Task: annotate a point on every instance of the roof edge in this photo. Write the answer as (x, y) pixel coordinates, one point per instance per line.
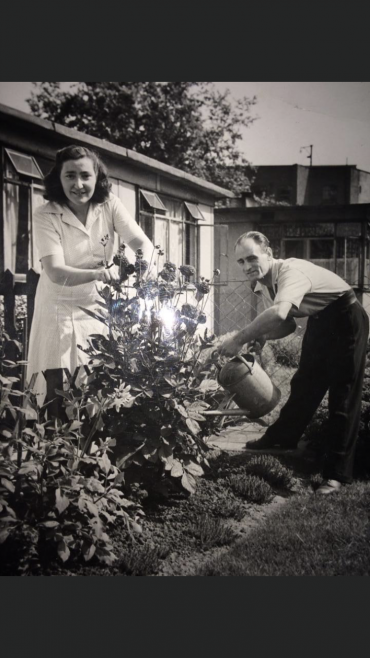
(114, 149)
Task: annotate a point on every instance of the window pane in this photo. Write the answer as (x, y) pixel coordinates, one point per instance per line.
(191, 245)
(146, 224)
(16, 228)
(174, 206)
(294, 248)
(321, 249)
(161, 235)
(348, 259)
(176, 242)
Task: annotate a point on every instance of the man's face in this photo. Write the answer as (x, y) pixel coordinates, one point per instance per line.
(254, 262)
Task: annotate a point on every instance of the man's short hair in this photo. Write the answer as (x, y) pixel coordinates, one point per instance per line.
(258, 238)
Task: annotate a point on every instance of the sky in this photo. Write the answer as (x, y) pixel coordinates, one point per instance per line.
(332, 116)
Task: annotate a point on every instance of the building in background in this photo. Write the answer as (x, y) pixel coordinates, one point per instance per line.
(175, 209)
(319, 213)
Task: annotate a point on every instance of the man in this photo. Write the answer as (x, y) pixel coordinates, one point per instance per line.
(333, 350)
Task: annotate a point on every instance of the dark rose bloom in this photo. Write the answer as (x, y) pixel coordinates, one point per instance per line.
(170, 266)
(189, 311)
(141, 266)
(168, 275)
(202, 288)
(187, 270)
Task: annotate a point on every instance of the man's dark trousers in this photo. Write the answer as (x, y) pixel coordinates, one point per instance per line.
(333, 358)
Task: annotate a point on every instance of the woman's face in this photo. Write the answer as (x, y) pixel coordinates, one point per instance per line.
(78, 179)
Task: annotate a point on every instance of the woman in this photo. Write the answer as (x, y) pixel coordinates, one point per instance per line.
(74, 235)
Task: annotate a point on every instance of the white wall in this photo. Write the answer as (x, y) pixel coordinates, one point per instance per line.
(127, 194)
(206, 258)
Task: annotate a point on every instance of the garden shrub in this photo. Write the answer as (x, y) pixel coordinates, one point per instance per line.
(270, 470)
(142, 560)
(251, 487)
(149, 389)
(62, 487)
(287, 351)
(57, 501)
(211, 531)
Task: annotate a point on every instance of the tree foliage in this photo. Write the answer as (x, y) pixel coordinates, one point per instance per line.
(189, 125)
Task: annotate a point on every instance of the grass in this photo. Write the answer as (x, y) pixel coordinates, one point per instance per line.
(308, 536)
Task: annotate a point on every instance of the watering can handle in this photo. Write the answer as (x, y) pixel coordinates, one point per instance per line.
(249, 366)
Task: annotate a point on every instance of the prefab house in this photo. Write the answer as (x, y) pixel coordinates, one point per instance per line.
(175, 209)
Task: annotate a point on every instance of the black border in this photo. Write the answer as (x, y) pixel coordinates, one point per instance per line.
(228, 43)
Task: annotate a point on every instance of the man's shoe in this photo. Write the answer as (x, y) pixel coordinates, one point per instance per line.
(328, 487)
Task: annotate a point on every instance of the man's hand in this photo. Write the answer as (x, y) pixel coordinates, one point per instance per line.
(230, 346)
(257, 345)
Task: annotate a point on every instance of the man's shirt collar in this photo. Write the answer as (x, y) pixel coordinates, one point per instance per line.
(275, 268)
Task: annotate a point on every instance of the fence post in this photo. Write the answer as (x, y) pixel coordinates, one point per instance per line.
(7, 286)
(32, 281)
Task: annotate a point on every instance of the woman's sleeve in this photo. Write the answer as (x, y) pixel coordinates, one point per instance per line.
(48, 239)
(128, 229)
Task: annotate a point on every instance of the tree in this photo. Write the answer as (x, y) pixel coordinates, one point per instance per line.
(189, 125)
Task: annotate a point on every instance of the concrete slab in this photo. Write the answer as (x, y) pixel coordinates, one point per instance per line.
(236, 438)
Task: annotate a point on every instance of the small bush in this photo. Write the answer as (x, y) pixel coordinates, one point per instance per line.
(251, 487)
(287, 351)
(142, 560)
(270, 469)
(229, 509)
(211, 532)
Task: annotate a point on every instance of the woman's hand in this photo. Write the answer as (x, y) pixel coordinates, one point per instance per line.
(107, 274)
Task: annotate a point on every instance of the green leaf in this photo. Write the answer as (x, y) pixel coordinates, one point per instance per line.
(119, 478)
(27, 469)
(95, 316)
(194, 469)
(8, 485)
(105, 463)
(208, 385)
(177, 469)
(91, 507)
(63, 551)
(89, 552)
(193, 426)
(188, 482)
(4, 534)
(50, 524)
(61, 501)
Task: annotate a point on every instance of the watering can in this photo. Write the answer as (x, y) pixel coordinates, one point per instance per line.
(252, 387)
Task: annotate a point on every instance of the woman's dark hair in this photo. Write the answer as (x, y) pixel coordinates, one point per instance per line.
(53, 186)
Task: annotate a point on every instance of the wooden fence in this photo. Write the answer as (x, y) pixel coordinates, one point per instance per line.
(11, 286)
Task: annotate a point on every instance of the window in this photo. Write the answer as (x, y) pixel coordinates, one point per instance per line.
(294, 248)
(284, 195)
(153, 201)
(194, 211)
(321, 249)
(330, 194)
(22, 195)
(171, 224)
(24, 165)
